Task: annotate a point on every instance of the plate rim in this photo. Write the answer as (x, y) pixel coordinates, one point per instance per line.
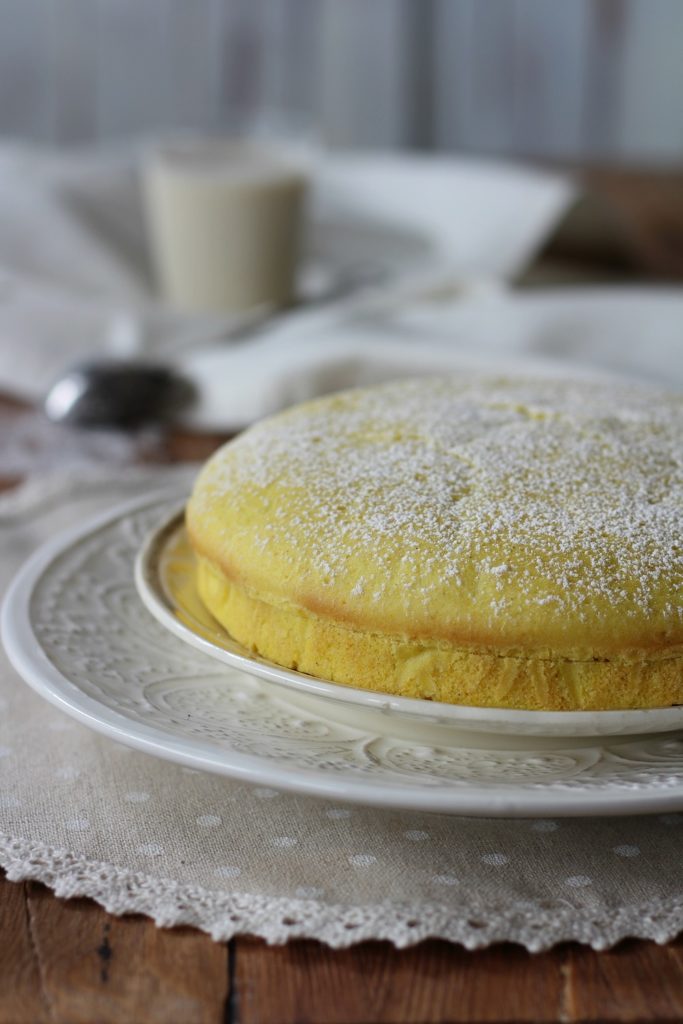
(145, 570)
(34, 666)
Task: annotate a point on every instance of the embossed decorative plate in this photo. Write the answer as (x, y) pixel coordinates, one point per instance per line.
(76, 629)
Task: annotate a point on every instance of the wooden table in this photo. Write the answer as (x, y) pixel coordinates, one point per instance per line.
(69, 962)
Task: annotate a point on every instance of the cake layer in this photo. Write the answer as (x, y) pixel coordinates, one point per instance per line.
(429, 670)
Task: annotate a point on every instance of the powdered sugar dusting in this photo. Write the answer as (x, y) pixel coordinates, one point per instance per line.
(561, 495)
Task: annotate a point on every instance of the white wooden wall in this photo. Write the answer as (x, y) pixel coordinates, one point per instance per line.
(567, 78)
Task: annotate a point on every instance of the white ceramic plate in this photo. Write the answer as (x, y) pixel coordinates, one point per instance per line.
(164, 575)
(75, 628)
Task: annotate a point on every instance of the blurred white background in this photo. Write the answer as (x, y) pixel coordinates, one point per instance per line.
(569, 79)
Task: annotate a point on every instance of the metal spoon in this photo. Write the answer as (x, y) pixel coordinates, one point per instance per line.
(127, 392)
(118, 393)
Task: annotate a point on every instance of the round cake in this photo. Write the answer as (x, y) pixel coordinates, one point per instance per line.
(476, 540)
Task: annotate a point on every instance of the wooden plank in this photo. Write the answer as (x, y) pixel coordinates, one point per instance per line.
(82, 965)
(549, 61)
(433, 982)
(637, 982)
(453, 62)
(182, 446)
(24, 61)
(606, 30)
(21, 993)
(651, 79)
(188, 77)
(71, 962)
(235, 62)
(649, 207)
(491, 114)
(366, 73)
(70, 92)
(292, 67)
(131, 68)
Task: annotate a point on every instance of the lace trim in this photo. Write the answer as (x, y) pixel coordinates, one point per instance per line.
(535, 925)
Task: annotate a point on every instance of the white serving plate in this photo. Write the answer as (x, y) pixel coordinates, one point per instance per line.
(76, 629)
(164, 575)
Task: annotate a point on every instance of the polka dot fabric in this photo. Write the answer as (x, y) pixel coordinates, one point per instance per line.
(88, 816)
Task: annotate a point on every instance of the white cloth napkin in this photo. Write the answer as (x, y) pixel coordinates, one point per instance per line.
(628, 332)
(75, 279)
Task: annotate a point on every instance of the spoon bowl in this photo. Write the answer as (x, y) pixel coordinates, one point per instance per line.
(118, 393)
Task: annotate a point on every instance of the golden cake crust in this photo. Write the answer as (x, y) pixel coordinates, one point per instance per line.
(480, 540)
